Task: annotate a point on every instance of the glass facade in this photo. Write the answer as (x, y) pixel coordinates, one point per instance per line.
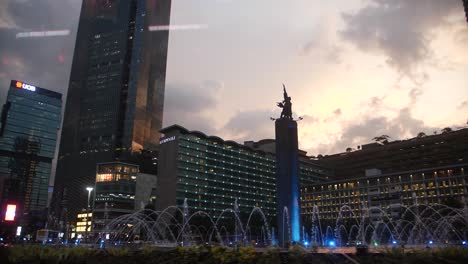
(387, 191)
(31, 118)
(114, 192)
(116, 93)
(212, 173)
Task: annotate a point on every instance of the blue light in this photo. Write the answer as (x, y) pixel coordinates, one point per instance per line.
(463, 242)
(295, 213)
(306, 243)
(431, 242)
(1, 238)
(331, 243)
(394, 242)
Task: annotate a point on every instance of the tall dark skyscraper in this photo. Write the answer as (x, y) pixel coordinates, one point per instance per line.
(28, 135)
(116, 93)
(465, 4)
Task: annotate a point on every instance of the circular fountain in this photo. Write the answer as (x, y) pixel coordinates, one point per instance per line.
(426, 225)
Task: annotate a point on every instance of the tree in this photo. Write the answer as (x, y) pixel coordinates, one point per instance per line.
(421, 135)
(446, 130)
(383, 139)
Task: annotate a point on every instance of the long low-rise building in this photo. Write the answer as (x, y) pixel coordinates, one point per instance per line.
(391, 192)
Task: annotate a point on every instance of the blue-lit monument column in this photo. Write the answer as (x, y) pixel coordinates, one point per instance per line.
(287, 173)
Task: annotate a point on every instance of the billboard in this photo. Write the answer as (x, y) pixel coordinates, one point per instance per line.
(10, 212)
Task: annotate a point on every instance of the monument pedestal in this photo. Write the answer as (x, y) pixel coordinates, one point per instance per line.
(287, 182)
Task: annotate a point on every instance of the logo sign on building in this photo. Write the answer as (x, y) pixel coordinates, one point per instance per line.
(22, 85)
(165, 140)
(10, 212)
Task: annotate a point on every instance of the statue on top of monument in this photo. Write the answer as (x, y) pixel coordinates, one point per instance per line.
(286, 105)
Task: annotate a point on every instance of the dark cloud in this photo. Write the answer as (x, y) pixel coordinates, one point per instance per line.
(361, 131)
(189, 105)
(250, 125)
(400, 29)
(45, 61)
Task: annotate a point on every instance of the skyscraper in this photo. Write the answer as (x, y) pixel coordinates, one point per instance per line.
(116, 92)
(28, 135)
(465, 4)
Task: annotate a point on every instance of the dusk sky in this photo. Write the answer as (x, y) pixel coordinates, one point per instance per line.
(354, 69)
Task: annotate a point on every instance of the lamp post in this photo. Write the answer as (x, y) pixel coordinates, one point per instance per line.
(89, 189)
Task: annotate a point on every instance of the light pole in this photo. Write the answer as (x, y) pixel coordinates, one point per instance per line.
(89, 189)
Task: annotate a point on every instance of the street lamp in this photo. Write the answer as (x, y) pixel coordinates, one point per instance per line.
(89, 189)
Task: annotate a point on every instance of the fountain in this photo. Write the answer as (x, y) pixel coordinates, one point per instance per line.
(415, 225)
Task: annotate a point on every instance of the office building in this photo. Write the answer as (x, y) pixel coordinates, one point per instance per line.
(391, 192)
(120, 189)
(212, 173)
(424, 170)
(114, 192)
(424, 151)
(115, 96)
(30, 121)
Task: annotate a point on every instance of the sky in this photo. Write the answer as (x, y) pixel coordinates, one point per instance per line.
(355, 69)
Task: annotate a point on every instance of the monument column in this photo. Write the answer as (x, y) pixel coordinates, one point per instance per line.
(287, 175)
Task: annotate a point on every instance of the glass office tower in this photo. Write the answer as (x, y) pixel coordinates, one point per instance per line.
(30, 121)
(115, 96)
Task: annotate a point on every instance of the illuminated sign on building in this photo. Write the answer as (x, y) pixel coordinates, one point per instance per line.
(165, 140)
(10, 212)
(26, 86)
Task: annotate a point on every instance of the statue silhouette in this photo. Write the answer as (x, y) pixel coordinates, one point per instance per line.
(286, 105)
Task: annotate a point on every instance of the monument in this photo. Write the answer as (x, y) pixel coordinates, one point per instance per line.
(287, 173)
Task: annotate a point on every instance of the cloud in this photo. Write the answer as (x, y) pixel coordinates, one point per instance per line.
(463, 105)
(309, 119)
(401, 30)
(324, 45)
(250, 125)
(337, 112)
(190, 105)
(362, 130)
(44, 62)
(6, 20)
(414, 94)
